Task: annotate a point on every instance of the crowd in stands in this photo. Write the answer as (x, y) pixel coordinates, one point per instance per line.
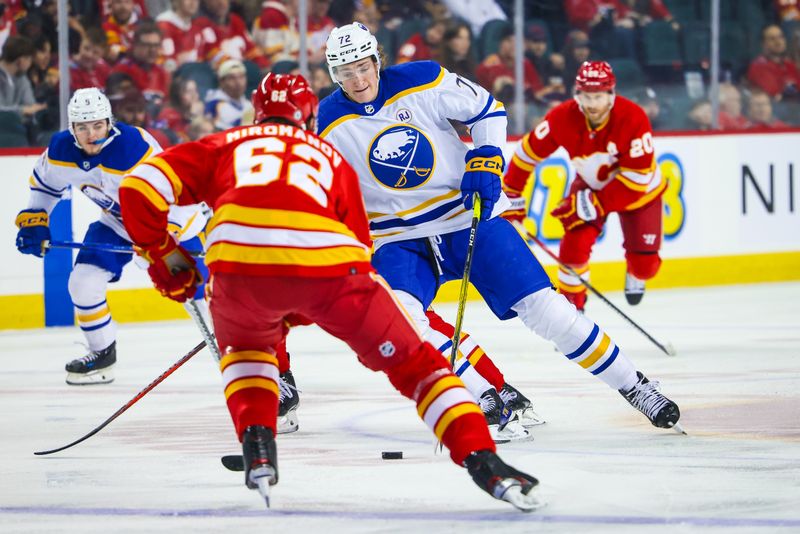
(184, 68)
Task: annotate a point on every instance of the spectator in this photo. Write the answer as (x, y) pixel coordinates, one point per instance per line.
(87, 67)
(476, 12)
(496, 72)
(699, 116)
(759, 111)
(276, 30)
(181, 38)
(7, 23)
(151, 79)
(119, 26)
(609, 23)
(455, 52)
(549, 67)
(730, 108)
(228, 106)
(643, 12)
(321, 82)
(421, 46)
(787, 10)
(184, 106)
(42, 60)
(16, 92)
(648, 101)
(130, 107)
(199, 128)
(139, 8)
(772, 71)
(576, 51)
(225, 36)
(118, 82)
(393, 13)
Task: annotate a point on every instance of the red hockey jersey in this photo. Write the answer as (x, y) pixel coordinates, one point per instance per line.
(616, 159)
(285, 202)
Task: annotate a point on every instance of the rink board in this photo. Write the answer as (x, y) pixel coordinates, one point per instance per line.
(731, 216)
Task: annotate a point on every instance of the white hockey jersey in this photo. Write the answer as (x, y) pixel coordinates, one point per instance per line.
(407, 155)
(63, 164)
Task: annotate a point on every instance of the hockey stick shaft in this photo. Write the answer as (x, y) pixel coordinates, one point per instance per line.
(131, 402)
(100, 247)
(591, 288)
(462, 295)
(205, 330)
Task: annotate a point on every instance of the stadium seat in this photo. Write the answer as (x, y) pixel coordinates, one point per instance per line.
(12, 131)
(386, 39)
(682, 10)
(629, 74)
(733, 49)
(489, 39)
(696, 43)
(254, 75)
(660, 45)
(201, 73)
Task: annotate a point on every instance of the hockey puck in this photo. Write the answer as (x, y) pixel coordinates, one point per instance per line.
(392, 455)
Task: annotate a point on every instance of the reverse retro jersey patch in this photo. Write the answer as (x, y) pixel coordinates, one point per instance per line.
(401, 157)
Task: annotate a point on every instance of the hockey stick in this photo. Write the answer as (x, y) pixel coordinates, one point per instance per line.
(462, 295)
(669, 350)
(100, 247)
(208, 335)
(131, 402)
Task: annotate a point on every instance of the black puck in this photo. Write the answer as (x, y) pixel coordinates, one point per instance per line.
(392, 455)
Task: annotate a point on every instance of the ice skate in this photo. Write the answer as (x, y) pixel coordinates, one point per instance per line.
(520, 405)
(503, 482)
(289, 401)
(260, 460)
(503, 427)
(97, 367)
(646, 398)
(634, 289)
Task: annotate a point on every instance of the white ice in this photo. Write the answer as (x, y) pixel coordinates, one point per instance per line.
(602, 466)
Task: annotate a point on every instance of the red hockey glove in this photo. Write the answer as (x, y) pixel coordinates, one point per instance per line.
(173, 271)
(578, 208)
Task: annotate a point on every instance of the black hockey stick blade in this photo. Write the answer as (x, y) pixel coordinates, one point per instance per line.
(233, 462)
(131, 402)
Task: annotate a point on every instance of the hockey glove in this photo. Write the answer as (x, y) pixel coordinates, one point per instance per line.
(578, 208)
(173, 271)
(482, 175)
(33, 233)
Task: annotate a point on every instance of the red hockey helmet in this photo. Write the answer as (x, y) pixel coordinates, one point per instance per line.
(595, 76)
(285, 96)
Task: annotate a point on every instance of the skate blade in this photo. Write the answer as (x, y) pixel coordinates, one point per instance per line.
(679, 429)
(263, 477)
(101, 376)
(512, 432)
(527, 503)
(288, 423)
(528, 418)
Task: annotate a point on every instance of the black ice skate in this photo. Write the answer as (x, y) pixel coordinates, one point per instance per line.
(502, 481)
(520, 405)
(97, 367)
(646, 398)
(502, 422)
(289, 399)
(260, 459)
(634, 289)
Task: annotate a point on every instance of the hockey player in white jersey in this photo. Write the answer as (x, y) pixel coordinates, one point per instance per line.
(93, 156)
(393, 127)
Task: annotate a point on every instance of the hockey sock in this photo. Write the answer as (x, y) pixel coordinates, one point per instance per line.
(87, 289)
(443, 403)
(250, 381)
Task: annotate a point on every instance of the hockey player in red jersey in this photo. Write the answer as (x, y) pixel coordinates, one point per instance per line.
(610, 144)
(290, 236)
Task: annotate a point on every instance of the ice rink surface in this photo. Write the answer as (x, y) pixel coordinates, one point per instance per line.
(602, 467)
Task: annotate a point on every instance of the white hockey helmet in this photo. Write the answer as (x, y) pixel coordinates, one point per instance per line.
(350, 43)
(88, 105)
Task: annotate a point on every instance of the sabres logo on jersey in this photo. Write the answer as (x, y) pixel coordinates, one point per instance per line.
(99, 197)
(401, 157)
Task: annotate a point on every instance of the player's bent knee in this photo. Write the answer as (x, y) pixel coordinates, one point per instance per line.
(87, 284)
(414, 308)
(643, 266)
(547, 313)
